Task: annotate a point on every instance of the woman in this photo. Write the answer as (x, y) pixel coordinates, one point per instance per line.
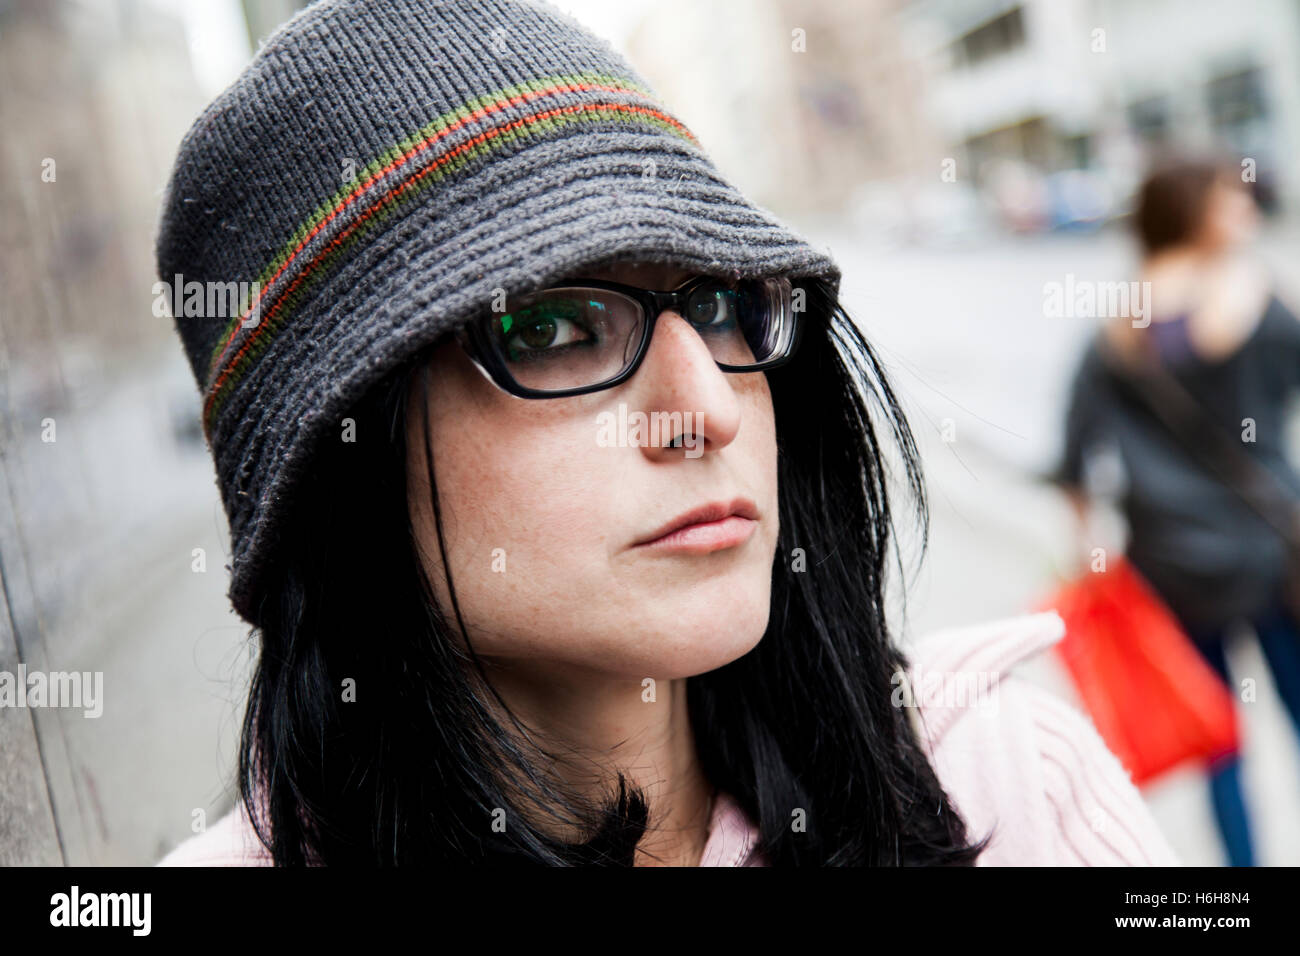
(1218, 328)
(501, 621)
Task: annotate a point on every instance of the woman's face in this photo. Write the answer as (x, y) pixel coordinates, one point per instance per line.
(542, 514)
(1231, 216)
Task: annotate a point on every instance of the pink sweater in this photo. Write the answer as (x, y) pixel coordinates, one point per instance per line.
(1019, 759)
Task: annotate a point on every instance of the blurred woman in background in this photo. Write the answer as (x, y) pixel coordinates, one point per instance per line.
(1219, 329)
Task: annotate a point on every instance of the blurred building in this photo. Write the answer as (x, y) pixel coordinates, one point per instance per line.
(952, 116)
(1065, 101)
(90, 134)
(796, 100)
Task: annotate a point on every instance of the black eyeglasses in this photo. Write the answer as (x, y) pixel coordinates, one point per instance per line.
(584, 335)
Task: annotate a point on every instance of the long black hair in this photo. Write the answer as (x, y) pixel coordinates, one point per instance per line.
(373, 736)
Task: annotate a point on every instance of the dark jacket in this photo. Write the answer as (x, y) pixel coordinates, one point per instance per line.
(1210, 556)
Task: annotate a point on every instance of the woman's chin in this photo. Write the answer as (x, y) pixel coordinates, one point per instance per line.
(685, 647)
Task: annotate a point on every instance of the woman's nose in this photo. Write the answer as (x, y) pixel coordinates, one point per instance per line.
(680, 375)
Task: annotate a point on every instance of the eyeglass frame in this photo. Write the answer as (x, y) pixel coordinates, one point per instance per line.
(654, 303)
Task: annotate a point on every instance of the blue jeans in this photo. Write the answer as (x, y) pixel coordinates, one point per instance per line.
(1279, 638)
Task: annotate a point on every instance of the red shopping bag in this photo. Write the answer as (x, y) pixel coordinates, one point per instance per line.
(1154, 700)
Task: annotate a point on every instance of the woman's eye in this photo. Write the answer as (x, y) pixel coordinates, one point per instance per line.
(713, 309)
(533, 331)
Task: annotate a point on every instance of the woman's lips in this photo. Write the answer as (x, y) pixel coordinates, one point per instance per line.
(705, 536)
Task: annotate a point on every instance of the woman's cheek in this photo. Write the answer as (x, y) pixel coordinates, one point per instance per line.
(529, 519)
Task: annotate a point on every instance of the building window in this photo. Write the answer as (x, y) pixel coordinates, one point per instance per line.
(1149, 119)
(1235, 100)
(993, 39)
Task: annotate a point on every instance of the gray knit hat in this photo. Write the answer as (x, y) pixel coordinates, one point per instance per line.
(374, 176)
